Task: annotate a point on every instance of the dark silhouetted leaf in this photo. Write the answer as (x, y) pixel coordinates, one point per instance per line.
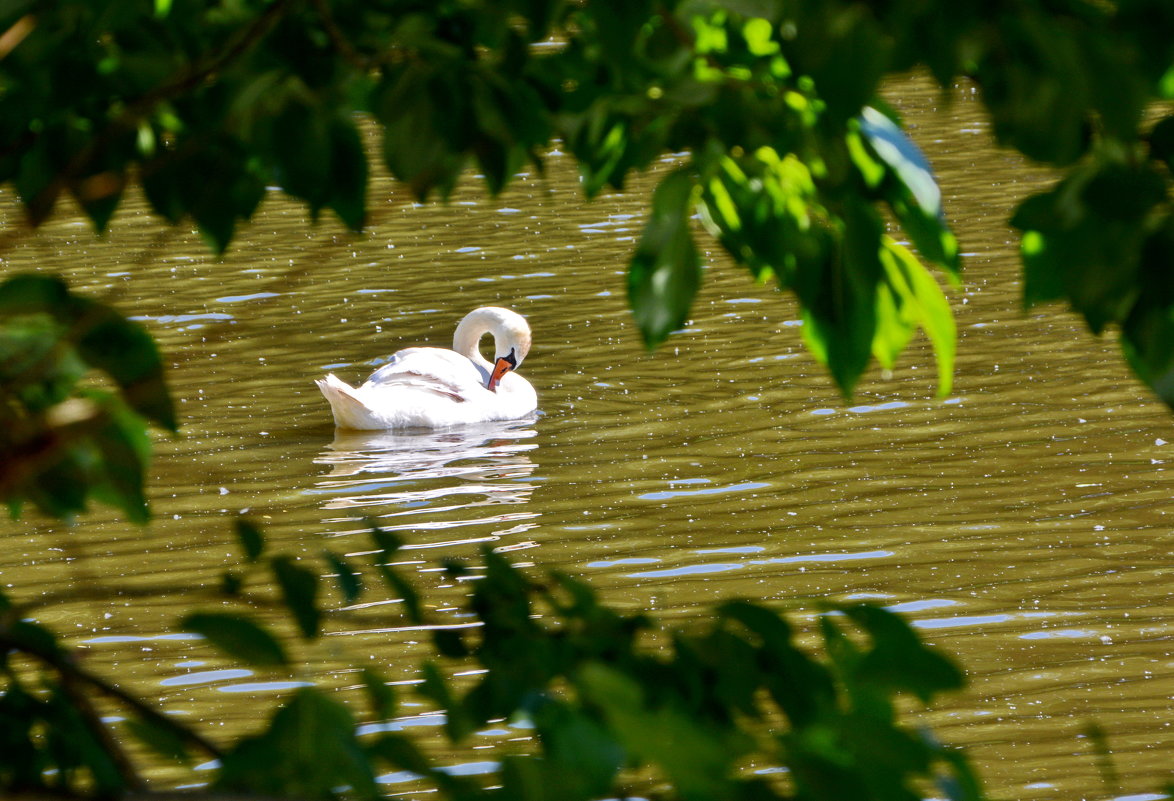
(231, 582)
(124, 447)
(299, 588)
(665, 271)
(348, 178)
(380, 694)
(434, 687)
(695, 755)
(425, 121)
(898, 658)
(349, 583)
(251, 538)
(450, 643)
(237, 637)
(1148, 330)
(839, 298)
(162, 740)
(400, 752)
(309, 750)
(1161, 141)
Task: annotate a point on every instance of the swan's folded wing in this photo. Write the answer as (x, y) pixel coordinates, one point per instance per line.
(437, 370)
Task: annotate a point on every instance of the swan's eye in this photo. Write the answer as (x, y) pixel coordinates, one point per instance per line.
(513, 362)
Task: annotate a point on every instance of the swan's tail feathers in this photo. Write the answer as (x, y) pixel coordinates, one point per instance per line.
(349, 411)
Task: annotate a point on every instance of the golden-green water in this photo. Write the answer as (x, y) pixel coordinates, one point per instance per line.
(1023, 523)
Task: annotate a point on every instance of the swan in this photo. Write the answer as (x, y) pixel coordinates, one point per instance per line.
(439, 388)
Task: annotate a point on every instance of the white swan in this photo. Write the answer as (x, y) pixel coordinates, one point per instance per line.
(438, 388)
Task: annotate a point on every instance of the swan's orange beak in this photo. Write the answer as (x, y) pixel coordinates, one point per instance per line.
(500, 368)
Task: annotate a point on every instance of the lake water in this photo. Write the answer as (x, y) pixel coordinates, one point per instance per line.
(1023, 523)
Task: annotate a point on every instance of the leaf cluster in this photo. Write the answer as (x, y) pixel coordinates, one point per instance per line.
(65, 436)
(734, 709)
(769, 107)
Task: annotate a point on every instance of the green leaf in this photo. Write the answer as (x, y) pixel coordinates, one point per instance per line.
(299, 588)
(124, 447)
(582, 754)
(400, 752)
(32, 638)
(894, 328)
(1148, 330)
(1104, 756)
(903, 157)
(349, 583)
(123, 349)
(231, 583)
(1084, 240)
(162, 740)
(434, 687)
(961, 783)
(237, 637)
(251, 538)
(801, 686)
(910, 296)
(1161, 140)
(99, 196)
(695, 755)
(210, 177)
(838, 297)
(388, 544)
(300, 144)
(665, 272)
(450, 643)
(913, 194)
(425, 122)
(30, 293)
(406, 592)
(349, 173)
(309, 751)
(898, 658)
(380, 694)
(37, 180)
(846, 59)
(127, 353)
(75, 745)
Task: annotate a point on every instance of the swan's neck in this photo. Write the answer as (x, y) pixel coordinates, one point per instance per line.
(468, 335)
(508, 328)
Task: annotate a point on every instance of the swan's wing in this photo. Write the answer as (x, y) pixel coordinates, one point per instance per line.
(437, 370)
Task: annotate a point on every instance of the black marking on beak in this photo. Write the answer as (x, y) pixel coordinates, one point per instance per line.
(502, 366)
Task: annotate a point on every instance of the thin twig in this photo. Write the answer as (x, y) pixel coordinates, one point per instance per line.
(60, 660)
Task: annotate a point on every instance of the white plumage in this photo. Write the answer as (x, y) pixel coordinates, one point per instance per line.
(439, 388)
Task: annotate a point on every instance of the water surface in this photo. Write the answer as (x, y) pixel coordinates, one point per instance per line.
(1022, 523)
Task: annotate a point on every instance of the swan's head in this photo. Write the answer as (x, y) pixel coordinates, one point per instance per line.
(501, 366)
(511, 339)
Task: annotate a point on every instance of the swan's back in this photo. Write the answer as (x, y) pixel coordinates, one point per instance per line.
(444, 372)
(425, 387)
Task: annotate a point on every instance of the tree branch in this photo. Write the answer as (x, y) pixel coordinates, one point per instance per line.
(60, 660)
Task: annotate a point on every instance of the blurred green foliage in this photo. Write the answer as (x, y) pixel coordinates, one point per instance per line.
(770, 107)
(782, 152)
(63, 437)
(732, 707)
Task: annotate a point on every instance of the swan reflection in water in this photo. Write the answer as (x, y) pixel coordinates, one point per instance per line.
(432, 480)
